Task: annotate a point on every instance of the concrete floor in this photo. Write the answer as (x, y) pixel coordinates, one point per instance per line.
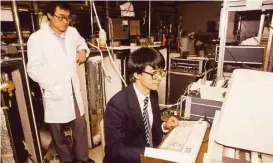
(96, 154)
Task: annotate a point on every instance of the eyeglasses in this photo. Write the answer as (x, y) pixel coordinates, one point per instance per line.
(156, 74)
(61, 18)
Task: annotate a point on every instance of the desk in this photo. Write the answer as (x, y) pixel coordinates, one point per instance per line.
(203, 148)
(199, 158)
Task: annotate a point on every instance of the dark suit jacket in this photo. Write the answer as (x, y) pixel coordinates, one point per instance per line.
(124, 127)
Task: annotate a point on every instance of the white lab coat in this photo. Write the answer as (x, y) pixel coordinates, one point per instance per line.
(54, 70)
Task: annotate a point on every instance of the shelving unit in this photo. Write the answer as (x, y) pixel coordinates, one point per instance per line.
(244, 5)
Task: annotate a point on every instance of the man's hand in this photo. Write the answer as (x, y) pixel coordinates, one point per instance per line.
(171, 123)
(81, 56)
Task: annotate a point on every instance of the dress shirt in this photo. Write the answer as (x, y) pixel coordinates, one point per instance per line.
(141, 98)
(60, 38)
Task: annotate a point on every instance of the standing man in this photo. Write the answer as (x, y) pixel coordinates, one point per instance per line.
(53, 54)
(132, 118)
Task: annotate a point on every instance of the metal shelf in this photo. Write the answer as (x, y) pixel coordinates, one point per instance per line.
(248, 5)
(244, 5)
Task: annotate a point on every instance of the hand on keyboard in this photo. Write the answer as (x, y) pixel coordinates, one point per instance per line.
(186, 138)
(171, 123)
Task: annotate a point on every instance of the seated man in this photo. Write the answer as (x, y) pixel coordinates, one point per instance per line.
(132, 117)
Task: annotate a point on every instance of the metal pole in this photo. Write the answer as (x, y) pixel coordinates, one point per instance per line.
(261, 27)
(17, 24)
(34, 16)
(91, 13)
(20, 39)
(223, 35)
(269, 51)
(150, 19)
(32, 21)
(107, 8)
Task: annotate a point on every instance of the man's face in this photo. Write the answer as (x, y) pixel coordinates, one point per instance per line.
(60, 19)
(150, 78)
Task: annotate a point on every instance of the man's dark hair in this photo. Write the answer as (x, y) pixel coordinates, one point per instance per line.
(54, 4)
(143, 57)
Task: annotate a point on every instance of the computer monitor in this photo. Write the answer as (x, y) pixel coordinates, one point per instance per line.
(244, 54)
(247, 113)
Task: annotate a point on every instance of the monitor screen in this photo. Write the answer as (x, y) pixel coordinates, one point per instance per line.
(244, 54)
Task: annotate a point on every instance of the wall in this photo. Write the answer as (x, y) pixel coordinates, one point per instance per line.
(197, 14)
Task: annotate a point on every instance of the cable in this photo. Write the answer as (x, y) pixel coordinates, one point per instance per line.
(186, 91)
(94, 7)
(102, 35)
(183, 98)
(102, 63)
(205, 73)
(111, 33)
(179, 100)
(115, 68)
(209, 122)
(205, 66)
(172, 105)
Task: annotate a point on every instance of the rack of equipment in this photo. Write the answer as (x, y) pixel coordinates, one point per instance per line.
(19, 116)
(194, 66)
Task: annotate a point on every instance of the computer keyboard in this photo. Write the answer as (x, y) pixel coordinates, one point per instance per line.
(186, 138)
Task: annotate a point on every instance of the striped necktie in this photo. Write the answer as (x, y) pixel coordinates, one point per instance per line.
(148, 131)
